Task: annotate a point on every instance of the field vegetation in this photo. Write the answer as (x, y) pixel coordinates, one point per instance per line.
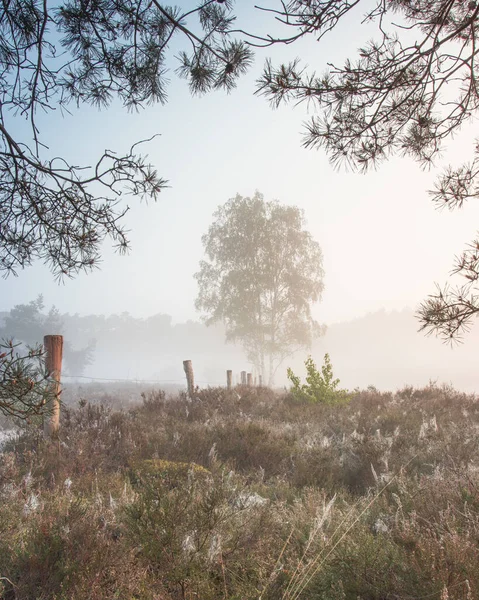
(246, 494)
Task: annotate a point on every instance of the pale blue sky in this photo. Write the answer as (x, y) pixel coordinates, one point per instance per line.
(384, 244)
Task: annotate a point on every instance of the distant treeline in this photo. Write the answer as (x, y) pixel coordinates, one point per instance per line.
(383, 349)
(126, 347)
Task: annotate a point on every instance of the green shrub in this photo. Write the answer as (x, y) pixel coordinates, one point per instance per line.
(320, 387)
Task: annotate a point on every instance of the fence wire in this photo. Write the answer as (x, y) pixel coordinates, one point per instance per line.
(181, 381)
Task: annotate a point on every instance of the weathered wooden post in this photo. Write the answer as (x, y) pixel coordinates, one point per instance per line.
(250, 380)
(260, 377)
(229, 379)
(53, 363)
(243, 377)
(190, 378)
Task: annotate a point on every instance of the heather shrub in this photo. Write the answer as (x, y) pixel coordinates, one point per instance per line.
(201, 532)
(156, 473)
(61, 546)
(246, 493)
(249, 446)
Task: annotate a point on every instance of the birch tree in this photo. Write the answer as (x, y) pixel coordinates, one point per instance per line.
(261, 275)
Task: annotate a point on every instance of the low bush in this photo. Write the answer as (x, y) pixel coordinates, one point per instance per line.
(320, 386)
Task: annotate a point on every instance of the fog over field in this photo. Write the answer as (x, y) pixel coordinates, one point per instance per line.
(384, 244)
(383, 349)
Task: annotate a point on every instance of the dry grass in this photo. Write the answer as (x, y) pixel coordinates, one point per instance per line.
(246, 494)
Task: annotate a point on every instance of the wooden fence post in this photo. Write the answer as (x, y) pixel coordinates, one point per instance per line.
(250, 380)
(53, 363)
(243, 377)
(229, 379)
(190, 378)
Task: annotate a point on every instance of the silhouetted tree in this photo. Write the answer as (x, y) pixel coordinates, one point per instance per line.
(261, 275)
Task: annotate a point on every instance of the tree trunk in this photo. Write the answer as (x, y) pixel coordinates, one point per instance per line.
(271, 371)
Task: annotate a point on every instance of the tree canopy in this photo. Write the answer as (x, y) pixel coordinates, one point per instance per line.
(90, 52)
(262, 273)
(407, 91)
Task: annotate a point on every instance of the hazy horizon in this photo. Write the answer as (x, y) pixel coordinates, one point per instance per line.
(382, 348)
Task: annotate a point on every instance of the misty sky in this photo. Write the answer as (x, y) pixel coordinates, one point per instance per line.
(384, 244)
